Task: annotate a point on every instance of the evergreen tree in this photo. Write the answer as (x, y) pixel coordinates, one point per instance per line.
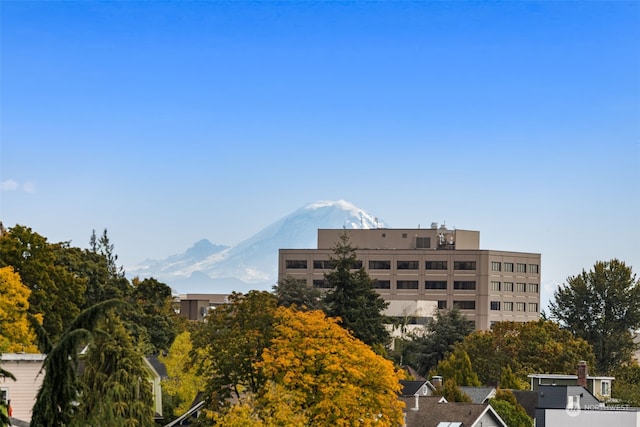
(511, 412)
(602, 306)
(457, 367)
(56, 400)
(291, 291)
(450, 390)
(439, 338)
(353, 298)
(115, 387)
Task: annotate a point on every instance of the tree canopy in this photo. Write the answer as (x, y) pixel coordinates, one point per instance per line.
(317, 373)
(16, 334)
(352, 297)
(601, 306)
(291, 291)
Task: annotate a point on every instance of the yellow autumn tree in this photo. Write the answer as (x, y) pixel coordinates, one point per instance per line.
(183, 382)
(329, 378)
(16, 334)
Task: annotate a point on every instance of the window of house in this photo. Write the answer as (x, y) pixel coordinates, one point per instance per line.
(407, 265)
(533, 268)
(495, 286)
(521, 287)
(407, 284)
(436, 265)
(323, 265)
(465, 305)
(605, 387)
(495, 266)
(442, 304)
(521, 268)
(464, 265)
(508, 267)
(296, 263)
(382, 284)
(4, 394)
(533, 307)
(466, 285)
(495, 305)
(435, 284)
(423, 242)
(507, 306)
(379, 265)
(404, 235)
(507, 286)
(520, 306)
(533, 288)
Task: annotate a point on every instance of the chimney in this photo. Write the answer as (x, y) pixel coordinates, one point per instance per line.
(436, 380)
(583, 372)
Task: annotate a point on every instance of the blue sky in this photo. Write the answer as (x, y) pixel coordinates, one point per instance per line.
(168, 122)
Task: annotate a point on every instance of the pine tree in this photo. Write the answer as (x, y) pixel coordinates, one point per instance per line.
(115, 388)
(353, 298)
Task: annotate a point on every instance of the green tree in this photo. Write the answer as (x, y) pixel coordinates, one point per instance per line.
(526, 348)
(353, 299)
(428, 348)
(56, 292)
(511, 412)
(291, 291)
(115, 389)
(626, 387)
(55, 404)
(230, 342)
(601, 306)
(457, 367)
(151, 318)
(452, 392)
(508, 380)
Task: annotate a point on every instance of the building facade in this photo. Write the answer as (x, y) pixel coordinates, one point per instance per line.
(446, 267)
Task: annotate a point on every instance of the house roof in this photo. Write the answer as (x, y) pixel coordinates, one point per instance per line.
(430, 413)
(411, 388)
(158, 366)
(568, 377)
(479, 394)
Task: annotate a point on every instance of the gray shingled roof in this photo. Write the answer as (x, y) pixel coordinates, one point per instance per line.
(479, 394)
(431, 413)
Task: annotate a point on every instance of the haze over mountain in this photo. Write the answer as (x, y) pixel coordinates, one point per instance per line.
(253, 263)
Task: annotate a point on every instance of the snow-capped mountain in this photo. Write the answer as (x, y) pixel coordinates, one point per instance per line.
(253, 263)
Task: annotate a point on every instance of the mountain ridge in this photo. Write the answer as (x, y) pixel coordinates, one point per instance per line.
(252, 263)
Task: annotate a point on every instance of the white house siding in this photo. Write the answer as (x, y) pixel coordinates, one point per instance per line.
(23, 391)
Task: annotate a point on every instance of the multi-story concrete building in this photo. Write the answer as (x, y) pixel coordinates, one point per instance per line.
(446, 267)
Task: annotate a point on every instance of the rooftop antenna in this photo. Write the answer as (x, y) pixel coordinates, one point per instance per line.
(376, 221)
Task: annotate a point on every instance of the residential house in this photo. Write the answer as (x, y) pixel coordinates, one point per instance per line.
(575, 406)
(599, 386)
(435, 411)
(23, 391)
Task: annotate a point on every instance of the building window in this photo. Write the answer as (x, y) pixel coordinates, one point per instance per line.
(465, 305)
(495, 266)
(407, 265)
(495, 286)
(4, 394)
(296, 263)
(404, 235)
(495, 305)
(521, 268)
(423, 242)
(508, 267)
(379, 265)
(436, 265)
(507, 286)
(466, 285)
(382, 284)
(533, 268)
(321, 284)
(605, 387)
(435, 284)
(407, 284)
(464, 265)
(520, 306)
(507, 306)
(323, 265)
(357, 265)
(521, 287)
(442, 304)
(533, 288)
(533, 307)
